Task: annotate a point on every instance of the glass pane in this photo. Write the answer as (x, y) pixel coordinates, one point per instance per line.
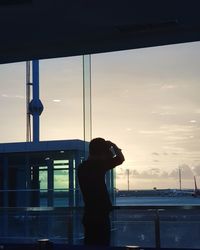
(61, 179)
(61, 95)
(61, 164)
(61, 187)
(43, 187)
(43, 179)
(176, 226)
(147, 102)
(13, 101)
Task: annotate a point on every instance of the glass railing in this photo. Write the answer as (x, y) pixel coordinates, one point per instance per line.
(60, 197)
(147, 226)
(158, 226)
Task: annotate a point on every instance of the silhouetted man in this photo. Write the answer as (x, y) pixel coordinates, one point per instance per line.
(103, 156)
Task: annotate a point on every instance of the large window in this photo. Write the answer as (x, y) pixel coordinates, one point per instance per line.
(61, 93)
(147, 101)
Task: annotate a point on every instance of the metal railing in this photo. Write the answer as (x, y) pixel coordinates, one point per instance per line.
(158, 226)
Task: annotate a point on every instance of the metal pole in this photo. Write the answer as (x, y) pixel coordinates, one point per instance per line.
(28, 180)
(157, 230)
(28, 91)
(71, 182)
(77, 189)
(35, 106)
(87, 103)
(5, 196)
(5, 181)
(180, 184)
(36, 120)
(50, 174)
(127, 178)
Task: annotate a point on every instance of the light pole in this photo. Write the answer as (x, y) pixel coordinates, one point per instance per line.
(127, 171)
(179, 174)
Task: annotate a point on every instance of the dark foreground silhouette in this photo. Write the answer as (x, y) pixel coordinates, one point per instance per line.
(103, 156)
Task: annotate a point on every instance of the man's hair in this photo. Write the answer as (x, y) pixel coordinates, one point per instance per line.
(98, 146)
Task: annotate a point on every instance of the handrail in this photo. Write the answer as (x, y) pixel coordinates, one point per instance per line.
(155, 209)
(129, 207)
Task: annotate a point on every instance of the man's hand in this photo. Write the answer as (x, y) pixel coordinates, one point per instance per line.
(119, 158)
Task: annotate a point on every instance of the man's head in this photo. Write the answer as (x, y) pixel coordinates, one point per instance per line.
(99, 147)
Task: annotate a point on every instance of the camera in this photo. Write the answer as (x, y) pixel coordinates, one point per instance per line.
(111, 149)
(113, 152)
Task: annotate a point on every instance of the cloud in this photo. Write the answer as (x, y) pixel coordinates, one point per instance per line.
(196, 170)
(152, 132)
(168, 86)
(193, 121)
(164, 174)
(12, 96)
(135, 172)
(197, 111)
(174, 153)
(173, 128)
(186, 172)
(167, 113)
(155, 153)
(150, 173)
(176, 138)
(165, 110)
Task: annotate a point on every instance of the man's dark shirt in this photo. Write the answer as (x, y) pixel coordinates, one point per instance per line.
(91, 176)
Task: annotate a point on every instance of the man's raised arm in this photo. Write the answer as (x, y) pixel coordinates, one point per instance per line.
(118, 157)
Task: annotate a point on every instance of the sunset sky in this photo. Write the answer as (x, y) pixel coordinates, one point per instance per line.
(145, 100)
